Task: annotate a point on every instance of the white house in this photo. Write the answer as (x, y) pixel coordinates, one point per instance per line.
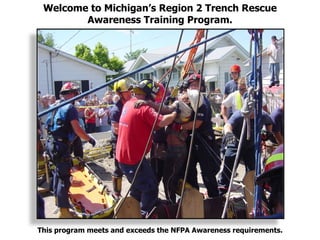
(55, 67)
(220, 55)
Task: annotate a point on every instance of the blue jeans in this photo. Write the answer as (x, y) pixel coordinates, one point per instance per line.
(274, 71)
(145, 187)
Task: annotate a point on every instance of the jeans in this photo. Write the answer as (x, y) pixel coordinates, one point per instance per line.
(145, 187)
(274, 71)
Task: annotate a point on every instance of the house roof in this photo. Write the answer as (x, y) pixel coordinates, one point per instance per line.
(127, 65)
(74, 58)
(217, 52)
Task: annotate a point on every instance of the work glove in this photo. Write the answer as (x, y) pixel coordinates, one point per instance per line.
(92, 141)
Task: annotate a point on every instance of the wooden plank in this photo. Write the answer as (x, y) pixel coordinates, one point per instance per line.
(127, 207)
(192, 204)
(248, 182)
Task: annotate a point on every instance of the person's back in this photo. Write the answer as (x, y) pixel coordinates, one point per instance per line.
(135, 126)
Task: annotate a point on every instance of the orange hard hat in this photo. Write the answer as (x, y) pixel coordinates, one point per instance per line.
(235, 68)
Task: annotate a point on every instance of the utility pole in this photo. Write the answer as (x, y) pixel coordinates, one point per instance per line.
(131, 32)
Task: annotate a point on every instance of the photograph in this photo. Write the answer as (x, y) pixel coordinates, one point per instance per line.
(159, 123)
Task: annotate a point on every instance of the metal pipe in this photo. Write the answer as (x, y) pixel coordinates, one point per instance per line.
(130, 73)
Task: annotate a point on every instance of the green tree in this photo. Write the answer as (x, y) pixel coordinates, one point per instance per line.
(101, 55)
(83, 52)
(46, 40)
(116, 64)
(134, 55)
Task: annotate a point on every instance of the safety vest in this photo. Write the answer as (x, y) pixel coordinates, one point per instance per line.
(238, 100)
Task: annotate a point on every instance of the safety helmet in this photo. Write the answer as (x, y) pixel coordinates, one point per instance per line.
(69, 87)
(274, 168)
(235, 68)
(194, 77)
(121, 86)
(145, 87)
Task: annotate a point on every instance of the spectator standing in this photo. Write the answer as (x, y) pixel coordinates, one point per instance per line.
(274, 61)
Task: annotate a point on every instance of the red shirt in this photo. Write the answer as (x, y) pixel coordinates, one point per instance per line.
(135, 126)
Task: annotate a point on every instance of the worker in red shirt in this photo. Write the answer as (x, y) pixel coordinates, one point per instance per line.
(135, 127)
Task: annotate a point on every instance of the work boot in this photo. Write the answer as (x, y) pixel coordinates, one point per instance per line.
(117, 186)
(65, 213)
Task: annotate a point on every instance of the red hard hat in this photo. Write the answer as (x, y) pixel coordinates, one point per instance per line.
(194, 77)
(68, 88)
(235, 68)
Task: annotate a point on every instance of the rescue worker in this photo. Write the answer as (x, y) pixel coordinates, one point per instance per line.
(169, 148)
(272, 182)
(232, 85)
(205, 150)
(63, 128)
(135, 127)
(232, 133)
(123, 90)
(234, 100)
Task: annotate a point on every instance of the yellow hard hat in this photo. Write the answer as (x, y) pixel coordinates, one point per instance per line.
(122, 86)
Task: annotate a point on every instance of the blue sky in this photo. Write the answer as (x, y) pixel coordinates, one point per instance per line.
(120, 41)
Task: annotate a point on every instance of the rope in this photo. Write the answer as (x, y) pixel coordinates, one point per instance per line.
(151, 132)
(192, 137)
